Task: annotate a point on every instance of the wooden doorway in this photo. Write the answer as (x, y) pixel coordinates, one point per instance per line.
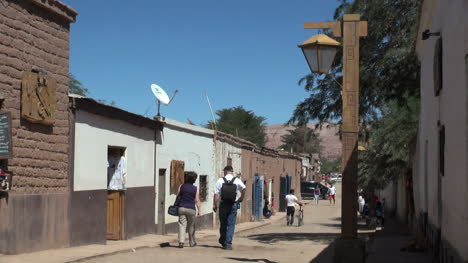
(114, 215)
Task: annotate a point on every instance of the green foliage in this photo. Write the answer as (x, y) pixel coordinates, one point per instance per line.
(240, 122)
(391, 144)
(330, 166)
(389, 88)
(76, 87)
(389, 68)
(301, 140)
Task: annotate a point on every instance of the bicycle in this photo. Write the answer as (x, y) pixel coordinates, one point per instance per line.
(300, 217)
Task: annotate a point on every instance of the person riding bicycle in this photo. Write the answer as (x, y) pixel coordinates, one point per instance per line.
(291, 200)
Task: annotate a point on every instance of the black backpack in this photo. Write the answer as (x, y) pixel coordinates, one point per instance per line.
(229, 191)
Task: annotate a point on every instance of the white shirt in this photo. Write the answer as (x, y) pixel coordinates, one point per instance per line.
(238, 182)
(291, 199)
(332, 190)
(118, 170)
(361, 200)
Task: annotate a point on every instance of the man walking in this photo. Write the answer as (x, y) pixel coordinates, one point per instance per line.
(291, 201)
(229, 192)
(332, 193)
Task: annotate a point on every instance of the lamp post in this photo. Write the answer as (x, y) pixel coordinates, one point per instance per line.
(349, 248)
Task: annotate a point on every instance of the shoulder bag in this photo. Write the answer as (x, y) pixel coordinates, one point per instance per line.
(173, 210)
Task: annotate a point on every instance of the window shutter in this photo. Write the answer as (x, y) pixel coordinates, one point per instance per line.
(177, 175)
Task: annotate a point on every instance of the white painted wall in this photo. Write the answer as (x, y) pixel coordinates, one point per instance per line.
(193, 145)
(224, 150)
(93, 135)
(449, 18)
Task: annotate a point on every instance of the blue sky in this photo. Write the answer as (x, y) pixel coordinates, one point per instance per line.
(241, 52)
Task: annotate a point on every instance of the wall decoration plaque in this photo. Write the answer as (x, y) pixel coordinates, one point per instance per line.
(38, 98)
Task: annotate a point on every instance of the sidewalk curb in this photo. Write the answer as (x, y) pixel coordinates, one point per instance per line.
(173, 240)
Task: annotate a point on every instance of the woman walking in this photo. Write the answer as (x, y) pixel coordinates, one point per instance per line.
(190, 197)
(317, 194)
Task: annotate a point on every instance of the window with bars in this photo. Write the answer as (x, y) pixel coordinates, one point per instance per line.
(203, 188)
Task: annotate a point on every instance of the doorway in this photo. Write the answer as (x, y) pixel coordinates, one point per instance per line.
(257, 197)
(161, 227)
(116, 177)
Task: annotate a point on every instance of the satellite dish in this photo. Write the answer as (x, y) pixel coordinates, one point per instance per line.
(161, 95)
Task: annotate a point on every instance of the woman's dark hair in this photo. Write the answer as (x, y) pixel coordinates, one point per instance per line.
(190, 177)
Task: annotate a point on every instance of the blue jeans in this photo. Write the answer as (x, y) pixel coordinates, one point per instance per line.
(227, 218)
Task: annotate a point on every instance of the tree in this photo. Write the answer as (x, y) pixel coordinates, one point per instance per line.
(240, 122)
(389, 68)
(301, 140)
(330, 166)
(389, 88)
(76, 87)
(391, 144)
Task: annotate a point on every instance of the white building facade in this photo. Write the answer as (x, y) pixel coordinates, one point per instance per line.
(441, 162)
(190, 146)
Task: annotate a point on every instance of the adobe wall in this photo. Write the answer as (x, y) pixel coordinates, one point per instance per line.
(272, 169)
(35, 35)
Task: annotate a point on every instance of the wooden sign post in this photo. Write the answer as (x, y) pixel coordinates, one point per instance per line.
(348, 248)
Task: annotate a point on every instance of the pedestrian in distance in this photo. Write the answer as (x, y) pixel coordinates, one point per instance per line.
(190, 197)
(317, 194)
(229, 193)
(332, 193)
(361, 203)
(291, 201)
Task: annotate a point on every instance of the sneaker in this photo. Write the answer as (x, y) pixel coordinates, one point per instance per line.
(227, 247)
(181, 245)
(221, 243)
(193, 245)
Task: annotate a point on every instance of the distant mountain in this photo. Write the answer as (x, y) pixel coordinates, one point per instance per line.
(328, 134)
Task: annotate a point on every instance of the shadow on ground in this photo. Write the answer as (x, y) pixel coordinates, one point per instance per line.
(359, 226)
(276, 237)
(326, 256)
(208, 246)
(253, 260)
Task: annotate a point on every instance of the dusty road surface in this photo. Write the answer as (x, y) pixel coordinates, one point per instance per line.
(269, 244)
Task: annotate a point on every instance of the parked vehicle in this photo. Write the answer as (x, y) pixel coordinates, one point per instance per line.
(307, 190)
(336, 177)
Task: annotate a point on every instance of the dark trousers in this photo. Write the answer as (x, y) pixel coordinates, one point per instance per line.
(227, 220)
(290, 215)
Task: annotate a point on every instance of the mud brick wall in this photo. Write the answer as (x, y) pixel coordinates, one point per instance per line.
(34, 34)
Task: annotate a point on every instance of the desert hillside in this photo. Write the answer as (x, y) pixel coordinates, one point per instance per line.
(328, 133)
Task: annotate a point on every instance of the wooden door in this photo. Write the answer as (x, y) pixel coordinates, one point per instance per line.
(114, 215)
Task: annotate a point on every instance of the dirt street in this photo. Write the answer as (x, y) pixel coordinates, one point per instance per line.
(272, 243)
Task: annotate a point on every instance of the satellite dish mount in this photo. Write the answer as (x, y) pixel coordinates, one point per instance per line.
(161, 96)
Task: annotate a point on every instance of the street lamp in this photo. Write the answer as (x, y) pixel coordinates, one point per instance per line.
(320, 51)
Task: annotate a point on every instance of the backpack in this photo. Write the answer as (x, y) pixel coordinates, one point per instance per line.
(229, 190)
